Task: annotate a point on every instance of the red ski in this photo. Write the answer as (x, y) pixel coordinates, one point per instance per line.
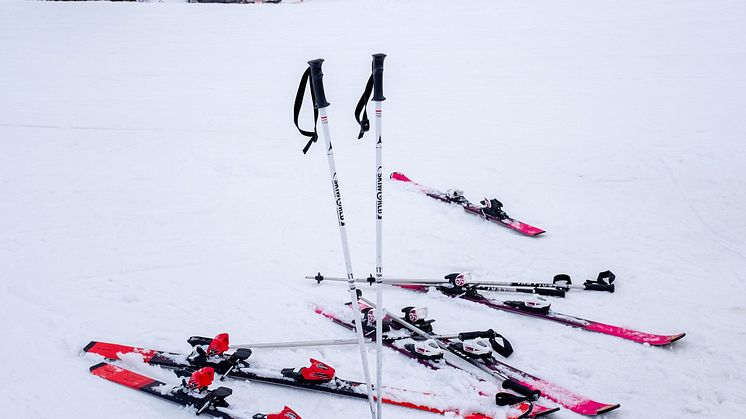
(194, 393)
(235, 366)
(500, 217)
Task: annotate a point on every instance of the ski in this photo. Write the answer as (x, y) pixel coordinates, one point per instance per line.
(317, 377)
(194, 393)
(405, 345)
(519, 380)
(497, 215)
(455, 287)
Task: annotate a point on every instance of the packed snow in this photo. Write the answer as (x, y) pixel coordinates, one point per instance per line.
(153, 187)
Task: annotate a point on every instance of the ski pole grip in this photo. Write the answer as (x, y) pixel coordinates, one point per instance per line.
(552, 292)
(378, 77)
(521, 389)
(488, 334)
(595, 286)
(508, 399)
(317, 82)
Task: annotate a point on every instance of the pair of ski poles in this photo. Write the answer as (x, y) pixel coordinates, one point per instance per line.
(318, 95)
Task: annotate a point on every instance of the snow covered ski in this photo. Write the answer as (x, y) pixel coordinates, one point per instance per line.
(518, 380)
(431, 356)
(456, 287)
(491, 209)
(194, 393)
(318, 376)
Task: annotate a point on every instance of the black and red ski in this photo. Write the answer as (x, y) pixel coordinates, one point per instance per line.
(194, 393)
(498, 216)
(317, 377)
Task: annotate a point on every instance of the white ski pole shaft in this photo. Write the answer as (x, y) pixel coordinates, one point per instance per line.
(318, 87)
(297, 344)
(310, 343)
(378, 99)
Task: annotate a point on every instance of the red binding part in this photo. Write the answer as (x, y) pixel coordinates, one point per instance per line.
(218, 345)
(318, 371)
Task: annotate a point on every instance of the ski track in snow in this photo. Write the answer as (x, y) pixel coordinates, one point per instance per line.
(152, 188)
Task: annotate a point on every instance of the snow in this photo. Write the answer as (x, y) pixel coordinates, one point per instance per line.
(153, 188)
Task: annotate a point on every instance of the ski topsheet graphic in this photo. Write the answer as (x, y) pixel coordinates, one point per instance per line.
(494, 213)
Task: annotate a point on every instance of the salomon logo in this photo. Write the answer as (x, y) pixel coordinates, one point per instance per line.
(379, 193)
(340, 215)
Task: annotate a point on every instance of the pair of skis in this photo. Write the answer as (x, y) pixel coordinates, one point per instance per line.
(211, 354)
(518, 381)
(432, 358)
(456, 287)
(318, 96)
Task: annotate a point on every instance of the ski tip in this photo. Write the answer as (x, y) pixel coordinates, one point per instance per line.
(399, 176)
(671, 339)
(543, 411)
(608, 408)
(90, 345)
(97, 366)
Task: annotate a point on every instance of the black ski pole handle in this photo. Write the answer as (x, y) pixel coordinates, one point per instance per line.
(378, 77)
(488, 334)
(509, 399)
(317, 82)
(595, 286)
(552, 292)
(521, 389)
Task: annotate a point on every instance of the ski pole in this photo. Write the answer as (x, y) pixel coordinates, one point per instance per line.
(604, 282)
(320, 104)
(549, 291)
(375, 83)
(310, 343)
(507, 382)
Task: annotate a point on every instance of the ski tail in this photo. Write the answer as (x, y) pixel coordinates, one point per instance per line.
(121, 376)
(206, 404)
(400, 177)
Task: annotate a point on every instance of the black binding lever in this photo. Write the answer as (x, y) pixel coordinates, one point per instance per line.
(378, 77)
(317, 83)
(562, 279)
(505, 349)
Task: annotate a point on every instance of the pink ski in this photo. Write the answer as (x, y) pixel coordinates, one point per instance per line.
(506, 221)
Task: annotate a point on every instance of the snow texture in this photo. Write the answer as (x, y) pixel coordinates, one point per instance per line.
(152, 187)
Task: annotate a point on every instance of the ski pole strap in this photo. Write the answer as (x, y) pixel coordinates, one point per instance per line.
(505, 349)
(312, 135)
(361, 110)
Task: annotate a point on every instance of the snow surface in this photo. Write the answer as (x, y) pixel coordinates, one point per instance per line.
(152, 188)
